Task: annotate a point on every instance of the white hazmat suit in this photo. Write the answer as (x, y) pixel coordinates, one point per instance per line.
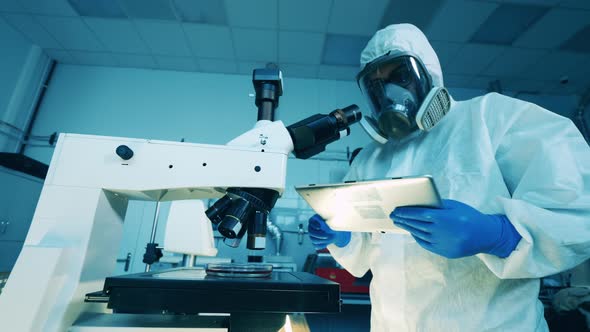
(501, 156)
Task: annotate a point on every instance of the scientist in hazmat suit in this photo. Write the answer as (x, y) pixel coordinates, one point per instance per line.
(515, 179)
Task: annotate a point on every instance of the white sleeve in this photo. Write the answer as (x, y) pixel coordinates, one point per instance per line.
(545, 163)
(353, 257)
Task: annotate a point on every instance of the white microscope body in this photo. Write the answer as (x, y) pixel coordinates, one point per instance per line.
(77, 227)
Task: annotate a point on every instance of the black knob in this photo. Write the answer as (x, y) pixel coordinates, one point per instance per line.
(124, 152)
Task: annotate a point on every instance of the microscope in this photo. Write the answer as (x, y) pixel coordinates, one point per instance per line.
(72, 243)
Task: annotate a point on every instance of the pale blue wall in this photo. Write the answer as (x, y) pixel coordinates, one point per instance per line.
(206, 108)
(13, 55)
(18, 192)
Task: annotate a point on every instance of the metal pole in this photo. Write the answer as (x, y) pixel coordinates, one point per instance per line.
(154, 229)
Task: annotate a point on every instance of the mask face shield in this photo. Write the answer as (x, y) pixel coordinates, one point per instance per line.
(394, 87)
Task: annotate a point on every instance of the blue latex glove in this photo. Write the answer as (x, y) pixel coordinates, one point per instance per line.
(322, 235)
(458, 230)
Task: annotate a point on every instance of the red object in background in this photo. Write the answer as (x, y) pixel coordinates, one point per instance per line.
(346, 280)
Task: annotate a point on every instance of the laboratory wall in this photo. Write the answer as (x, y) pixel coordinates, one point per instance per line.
(21, 66)
(211, 109)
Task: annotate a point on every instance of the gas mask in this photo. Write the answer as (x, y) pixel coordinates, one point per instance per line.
(401, 97)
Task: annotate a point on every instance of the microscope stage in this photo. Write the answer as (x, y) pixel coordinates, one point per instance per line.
(191, 291)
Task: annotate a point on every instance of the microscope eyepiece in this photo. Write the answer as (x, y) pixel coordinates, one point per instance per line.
(310, 136)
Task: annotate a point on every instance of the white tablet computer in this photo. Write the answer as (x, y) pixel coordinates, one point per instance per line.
(365, 206)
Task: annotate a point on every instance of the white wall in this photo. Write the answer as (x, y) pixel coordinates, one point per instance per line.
(206, 108)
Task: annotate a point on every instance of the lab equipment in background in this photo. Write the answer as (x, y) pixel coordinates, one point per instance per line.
(276, 234)
(353, 290)
(72, 243)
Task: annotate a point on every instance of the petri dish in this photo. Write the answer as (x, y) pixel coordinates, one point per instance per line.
(239, 270)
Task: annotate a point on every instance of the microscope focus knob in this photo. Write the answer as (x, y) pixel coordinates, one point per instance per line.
(124, 152)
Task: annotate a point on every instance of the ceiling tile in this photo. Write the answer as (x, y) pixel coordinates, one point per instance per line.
(472, 59)
(345, 73)
(11, 6)
(418, 12)
(29, 27)
(513, 62)
(252, 13)
(452, 24)
(291, 12)
(457, 81)
(533, 2)
(523, 85)
(481, 82)
(300, 71)
(71, 33)
(557, 26)
(202, 11)
(210, 41)
(175, 63)
(103, 8)
(117, 35)
(48, 7)
(343, 50)
(580, 4)
(218, 66)
(94, 58)
(135, 60)
(301, 47)
(164, 38)
(579, 42)
(246, 67)
(352, 17)
(256, 45)
(508, 22)
(59, 55)
(445, 51)
(556, 64)
(150, 9)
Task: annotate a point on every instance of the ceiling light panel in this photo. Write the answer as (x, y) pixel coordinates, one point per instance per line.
(507, 23)
(203, 11)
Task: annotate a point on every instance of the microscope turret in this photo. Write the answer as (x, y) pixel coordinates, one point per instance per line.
(244, 210)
